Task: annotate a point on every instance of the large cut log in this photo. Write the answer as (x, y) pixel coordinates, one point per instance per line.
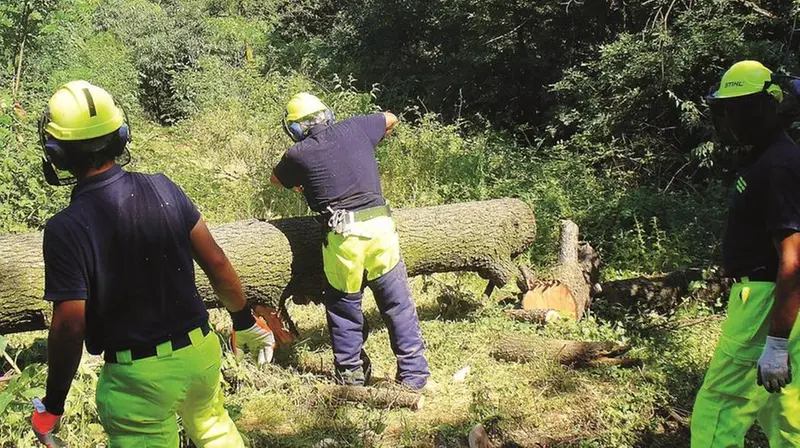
(663, 293)
(282, 258)
(569, 285)
(518, 348)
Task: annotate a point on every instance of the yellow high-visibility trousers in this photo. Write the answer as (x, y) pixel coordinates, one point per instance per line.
(138, 401)
(730, 400)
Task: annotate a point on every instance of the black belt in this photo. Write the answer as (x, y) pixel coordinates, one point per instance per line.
(178, 342)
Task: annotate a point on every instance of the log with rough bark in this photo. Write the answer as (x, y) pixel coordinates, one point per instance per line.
(517, 348)
(663, 293)
(534, 316)
(382, 398)
(478, 438)
(280, 259)
(569, 286)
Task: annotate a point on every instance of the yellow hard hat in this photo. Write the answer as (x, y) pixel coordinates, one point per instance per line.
(302, 105)
(81, 111)
(746, 78)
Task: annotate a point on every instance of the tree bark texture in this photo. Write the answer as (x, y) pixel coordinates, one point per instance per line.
(382, 398)
(664, 292)
(282, 258)
(534, 316)
(517, 348)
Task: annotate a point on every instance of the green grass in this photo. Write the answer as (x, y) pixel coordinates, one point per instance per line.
(538, 402)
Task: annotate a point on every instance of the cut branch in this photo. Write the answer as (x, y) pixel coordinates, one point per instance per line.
(534, 316)
(382, 398)
(518, 348)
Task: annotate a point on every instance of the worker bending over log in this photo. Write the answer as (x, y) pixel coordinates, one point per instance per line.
(119, 271)
(334, 165)
(761, 250)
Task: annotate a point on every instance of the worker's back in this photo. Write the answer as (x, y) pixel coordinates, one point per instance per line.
(123, 244)
(336, 165)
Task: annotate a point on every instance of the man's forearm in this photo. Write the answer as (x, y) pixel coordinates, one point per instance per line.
(787, 304)
(228, 288)
(64, 351)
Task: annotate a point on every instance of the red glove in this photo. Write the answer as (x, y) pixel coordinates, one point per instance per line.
(45, 424)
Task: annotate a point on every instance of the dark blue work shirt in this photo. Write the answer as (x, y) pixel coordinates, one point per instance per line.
(765, 203)
(123, 246)
(336, 165)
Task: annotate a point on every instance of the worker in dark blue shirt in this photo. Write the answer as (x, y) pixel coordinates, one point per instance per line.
(334, 165)
(119, 271)
(761, 250)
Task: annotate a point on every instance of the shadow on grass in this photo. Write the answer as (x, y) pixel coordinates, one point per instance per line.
(444, 309)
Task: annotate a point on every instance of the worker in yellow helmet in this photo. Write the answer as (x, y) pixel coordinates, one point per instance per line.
(334, 165)
(119, 270)
(761, 250)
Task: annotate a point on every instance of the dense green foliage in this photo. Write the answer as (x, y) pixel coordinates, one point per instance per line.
(592, 111)
(598, 120)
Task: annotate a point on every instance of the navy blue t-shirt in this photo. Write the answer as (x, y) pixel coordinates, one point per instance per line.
(765, 203)
(123, 246)
(336, 165)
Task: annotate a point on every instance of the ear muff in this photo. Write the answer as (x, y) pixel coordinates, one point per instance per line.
(293, 130)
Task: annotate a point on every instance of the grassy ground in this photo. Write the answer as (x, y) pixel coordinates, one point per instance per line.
(535, 404)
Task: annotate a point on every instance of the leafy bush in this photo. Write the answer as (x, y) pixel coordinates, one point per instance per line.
(165, 41)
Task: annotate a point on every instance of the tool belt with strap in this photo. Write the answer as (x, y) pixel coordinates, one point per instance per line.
(340, 221)
(178, 342)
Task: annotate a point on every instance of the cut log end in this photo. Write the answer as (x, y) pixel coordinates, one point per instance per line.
(552, 295)
(478, 438)
(571, 281)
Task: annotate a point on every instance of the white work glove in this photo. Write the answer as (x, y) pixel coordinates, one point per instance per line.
(258, 340)
(774, 369)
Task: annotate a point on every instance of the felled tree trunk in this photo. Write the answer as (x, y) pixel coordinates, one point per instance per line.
(280, 259)
(568, 287)
(518, 348)
(664, 292)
